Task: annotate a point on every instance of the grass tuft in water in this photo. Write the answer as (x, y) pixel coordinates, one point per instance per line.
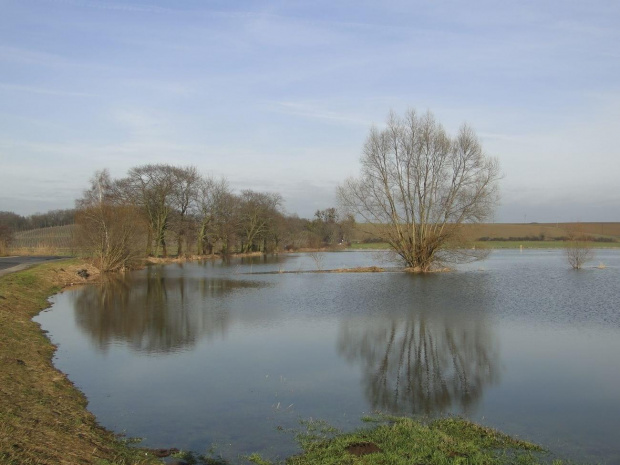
(404, 441)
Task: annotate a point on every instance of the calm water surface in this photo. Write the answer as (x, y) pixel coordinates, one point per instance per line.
(221, 355)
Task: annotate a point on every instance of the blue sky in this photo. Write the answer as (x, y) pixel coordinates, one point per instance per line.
(280, 95)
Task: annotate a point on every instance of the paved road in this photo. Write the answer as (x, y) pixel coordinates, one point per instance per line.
(13, 264)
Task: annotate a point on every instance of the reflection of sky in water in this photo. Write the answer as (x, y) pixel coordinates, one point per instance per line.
(196, 354)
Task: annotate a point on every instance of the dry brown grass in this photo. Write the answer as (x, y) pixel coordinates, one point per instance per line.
(183, 259)
(359, 269)
(549, 230)
(494, 230)
(55, 240)
(43, 417)
(39, 250)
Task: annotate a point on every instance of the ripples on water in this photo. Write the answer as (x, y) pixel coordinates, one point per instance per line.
(220, 354)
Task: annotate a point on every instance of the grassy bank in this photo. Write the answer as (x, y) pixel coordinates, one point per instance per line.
(43, 417)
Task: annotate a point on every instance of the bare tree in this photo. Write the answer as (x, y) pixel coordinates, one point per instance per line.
(318, 257)
(13, 221)
(420, 186)
(257, 211)
(326, 226)
(293, 232)
(331, 226)
(108, 231)
(184, 196)
(152, 188)
(212, 197)
(226, 226)
(579, 250)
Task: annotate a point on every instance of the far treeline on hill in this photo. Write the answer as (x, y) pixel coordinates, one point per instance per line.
(59, 240)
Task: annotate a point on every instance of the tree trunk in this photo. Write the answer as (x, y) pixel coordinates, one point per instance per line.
(163, 247)
(180, 244)
(149, 243)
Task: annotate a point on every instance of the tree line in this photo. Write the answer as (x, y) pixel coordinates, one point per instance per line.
(17, 223)
(161, 209)
(11, 223)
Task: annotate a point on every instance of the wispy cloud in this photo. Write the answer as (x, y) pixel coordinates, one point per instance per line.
(44, 90)
(111, 5)
(169, 87)
(25, 55)
(309, 110)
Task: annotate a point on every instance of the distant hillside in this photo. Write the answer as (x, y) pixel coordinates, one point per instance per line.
(52, 240)
(58, 239)
(524, 231)
(542, 231)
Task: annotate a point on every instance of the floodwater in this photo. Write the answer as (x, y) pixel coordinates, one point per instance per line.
(226, 358)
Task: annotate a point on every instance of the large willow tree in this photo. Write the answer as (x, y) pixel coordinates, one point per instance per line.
(418, 186)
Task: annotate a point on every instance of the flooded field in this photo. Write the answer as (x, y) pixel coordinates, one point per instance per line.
(226, 357)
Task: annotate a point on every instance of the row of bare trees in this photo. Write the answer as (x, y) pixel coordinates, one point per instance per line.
(17, 223)
(159, 208)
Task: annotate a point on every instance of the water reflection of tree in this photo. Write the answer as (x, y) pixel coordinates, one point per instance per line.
(422, 364)
(157, 314)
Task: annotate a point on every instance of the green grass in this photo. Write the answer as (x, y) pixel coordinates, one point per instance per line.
(404, 441)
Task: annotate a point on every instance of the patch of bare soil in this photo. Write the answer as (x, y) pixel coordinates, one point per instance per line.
(362, 448)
